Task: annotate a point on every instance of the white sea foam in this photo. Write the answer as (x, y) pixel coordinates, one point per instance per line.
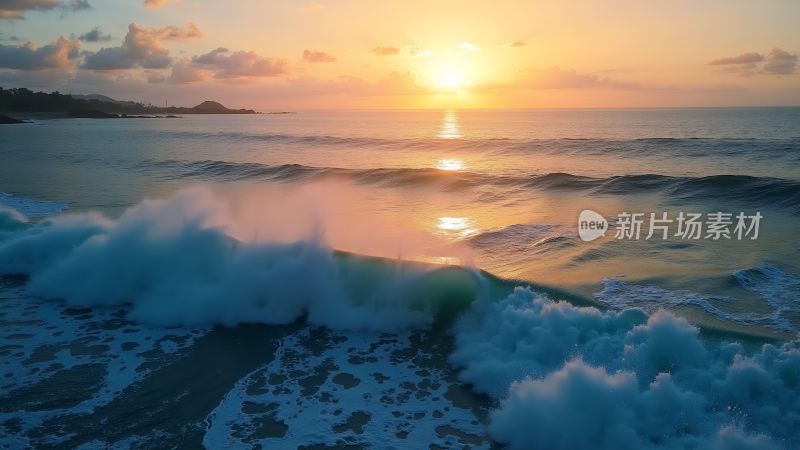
(578, 378)
(319, 381)
(44, 340)
(780, 289)
(620, 295)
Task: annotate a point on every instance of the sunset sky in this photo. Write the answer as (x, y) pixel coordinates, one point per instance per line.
(457, 54)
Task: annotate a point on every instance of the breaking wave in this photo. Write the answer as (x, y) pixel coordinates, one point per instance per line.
(562, 376)
(173, 262)
(570, 377)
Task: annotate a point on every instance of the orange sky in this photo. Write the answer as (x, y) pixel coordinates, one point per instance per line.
(390, 54)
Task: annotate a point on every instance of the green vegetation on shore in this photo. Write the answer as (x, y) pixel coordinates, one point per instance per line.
(27, 101)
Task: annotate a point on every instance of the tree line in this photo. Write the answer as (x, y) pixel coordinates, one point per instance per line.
(26, 100)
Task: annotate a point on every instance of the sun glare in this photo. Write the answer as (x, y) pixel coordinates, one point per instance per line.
(450, 128)
(450, 165)
(456, 227)
(451, 79)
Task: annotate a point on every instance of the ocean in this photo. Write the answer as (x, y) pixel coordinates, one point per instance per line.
(381, 279)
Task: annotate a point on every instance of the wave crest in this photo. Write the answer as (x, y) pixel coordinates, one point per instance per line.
(755, 190)
(173, 262)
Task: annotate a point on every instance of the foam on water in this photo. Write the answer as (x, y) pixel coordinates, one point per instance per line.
(47, 346)
(360, 389)
(778, 289)
(579, 378)
(560, 376)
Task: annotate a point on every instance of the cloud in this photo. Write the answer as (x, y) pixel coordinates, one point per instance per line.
(174, 32)
(745, 64)
(744, 58)
(43, 79)
(780, 62)
(142, 47)
(413, 51)
(61, 55)
(385, 51)
(410, 51)
(11, 38)
(517, 44)
(468, 47)
(15, 9)
(76, 5)
(317, 56)
(94, 35)
(557, 78)
(184, 71)
(396, 83)
(228, 64)
(157, 4)
(744, 70)
(221, 63)
(156, 77)
(776, 62)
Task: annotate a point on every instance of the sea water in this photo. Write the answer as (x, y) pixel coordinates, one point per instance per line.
(135, 239)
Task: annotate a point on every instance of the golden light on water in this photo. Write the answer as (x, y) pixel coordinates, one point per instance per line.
(450, 128)
(444, 260)
(452, 164)
(460, 227)
(453, 223)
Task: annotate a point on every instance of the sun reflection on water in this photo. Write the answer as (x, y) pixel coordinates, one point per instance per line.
(457, 227)
(452, 164)
(444, 260)
(450, 128)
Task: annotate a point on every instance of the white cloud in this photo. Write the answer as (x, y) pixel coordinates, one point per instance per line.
(227, 64)
(142, 47)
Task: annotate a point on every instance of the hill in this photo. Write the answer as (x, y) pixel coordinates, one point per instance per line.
(102, 98)
(25, 100)
(212, 107)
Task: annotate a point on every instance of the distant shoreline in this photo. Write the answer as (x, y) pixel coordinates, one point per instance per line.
(21, 101)
(22, 117)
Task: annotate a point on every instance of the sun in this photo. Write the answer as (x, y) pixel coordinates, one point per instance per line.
(450, 79)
